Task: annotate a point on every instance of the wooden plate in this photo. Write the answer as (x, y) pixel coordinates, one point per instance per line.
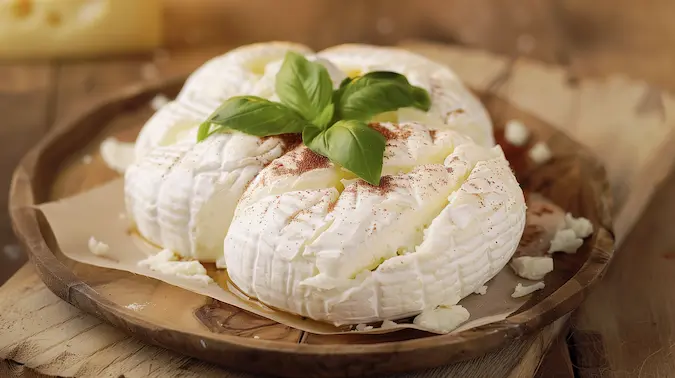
(198, 326)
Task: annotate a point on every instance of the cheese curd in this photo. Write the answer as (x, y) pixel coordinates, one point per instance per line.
(304, 235)
(361, 253)
(182, 196)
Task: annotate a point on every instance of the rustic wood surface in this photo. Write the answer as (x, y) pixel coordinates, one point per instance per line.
(60, 340)
(591, 39)
(573, 179)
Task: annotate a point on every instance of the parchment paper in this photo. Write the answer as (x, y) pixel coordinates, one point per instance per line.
(98, 212)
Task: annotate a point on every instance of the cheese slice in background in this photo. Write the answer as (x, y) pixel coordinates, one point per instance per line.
(75, 28)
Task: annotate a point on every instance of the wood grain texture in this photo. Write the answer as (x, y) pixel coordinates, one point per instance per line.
(26, 113)
(106, 293)
(627, 328)
(71, 343)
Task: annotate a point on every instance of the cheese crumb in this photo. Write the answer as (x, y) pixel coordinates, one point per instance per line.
(363, 327)
(386, 324)
(582, 227)
(540, 153)
(532, 268)
(565, 240)
(167, 262)
(87, 159)
(136, 306)
(442, 319)
(149, 71)
(117, 155)
(158, 102)
(98, 248)
(256, 337)
(516, 133)
(482, 290)
(521, 291)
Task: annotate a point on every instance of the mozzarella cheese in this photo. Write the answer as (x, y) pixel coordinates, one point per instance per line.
(252, 70)
(565, 240)
(307, 236)
(532, 267)
(232, 74)
(117, 155)
(540, 153)
(442, 319)
(182, 196)
(481, 290)
(516, 133)
(167, 262)
(359, 254)
(521, 291)
(98, 248)
(581, 227)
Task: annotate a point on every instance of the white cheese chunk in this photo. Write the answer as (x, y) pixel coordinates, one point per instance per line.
(442, 319)
(117, 155)
(363, 327)
(582, 227)
(565, 240)
(159, 101)
(324, 252)
(388, 324)
(167, 262)
(98, 248)
(482, 290)
(521, 291)
(516, 133)
(532, 267)
(540, 153)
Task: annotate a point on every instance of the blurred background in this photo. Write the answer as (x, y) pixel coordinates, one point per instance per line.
(57, 56)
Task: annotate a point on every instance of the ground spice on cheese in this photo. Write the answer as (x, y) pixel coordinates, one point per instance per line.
(398, 133)
(304, 160)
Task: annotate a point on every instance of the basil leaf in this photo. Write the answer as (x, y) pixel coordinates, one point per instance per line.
(352, 144)
(303, 86)
(325, 117)
(378, 92)
(252, 115)
(422, 98)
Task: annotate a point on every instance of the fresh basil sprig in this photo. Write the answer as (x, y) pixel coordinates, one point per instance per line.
(333, 123)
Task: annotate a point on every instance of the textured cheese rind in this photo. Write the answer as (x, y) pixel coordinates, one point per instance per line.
(451, 102)
(369, 255)
(232, 74)
(413, 145)
(182, 196)
(252, 69)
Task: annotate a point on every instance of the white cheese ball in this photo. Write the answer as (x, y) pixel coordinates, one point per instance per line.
(429, 235)
(232, 74)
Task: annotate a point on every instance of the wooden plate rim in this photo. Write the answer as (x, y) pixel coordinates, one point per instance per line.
(66, 285)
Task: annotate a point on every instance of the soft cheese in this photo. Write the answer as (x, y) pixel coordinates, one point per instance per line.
(423, 238)
(251, 70)
(182, 196)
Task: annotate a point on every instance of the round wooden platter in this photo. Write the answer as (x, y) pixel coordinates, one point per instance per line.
(198, 326)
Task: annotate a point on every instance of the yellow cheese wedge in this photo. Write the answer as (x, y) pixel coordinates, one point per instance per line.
(68, 28)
